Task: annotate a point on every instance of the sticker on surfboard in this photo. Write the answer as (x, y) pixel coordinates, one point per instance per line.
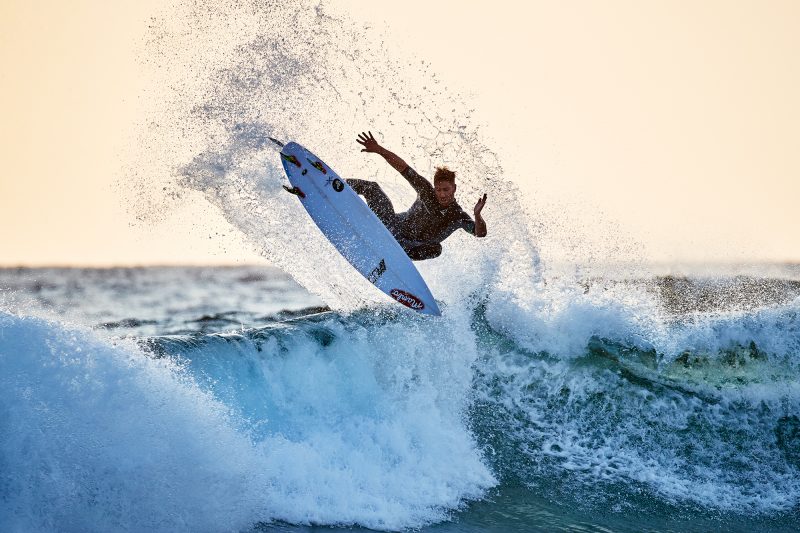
(407, 299)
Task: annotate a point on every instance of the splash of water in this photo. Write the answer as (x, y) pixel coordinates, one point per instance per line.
(296, 72)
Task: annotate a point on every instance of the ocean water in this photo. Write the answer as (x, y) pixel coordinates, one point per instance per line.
(232, 399)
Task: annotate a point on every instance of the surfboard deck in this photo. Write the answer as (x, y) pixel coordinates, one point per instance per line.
(356, 232)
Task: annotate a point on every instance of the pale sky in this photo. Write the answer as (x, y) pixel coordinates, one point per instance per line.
(675, 123)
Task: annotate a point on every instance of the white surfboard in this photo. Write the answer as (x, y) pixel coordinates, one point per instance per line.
(351, 226)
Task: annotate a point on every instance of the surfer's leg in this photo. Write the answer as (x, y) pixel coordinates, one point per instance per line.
(429, 250)
(376, 199)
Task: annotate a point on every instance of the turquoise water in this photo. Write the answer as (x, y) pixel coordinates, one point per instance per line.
(124, 409)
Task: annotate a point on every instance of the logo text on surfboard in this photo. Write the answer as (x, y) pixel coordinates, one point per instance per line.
(377, 272)
(407, 299)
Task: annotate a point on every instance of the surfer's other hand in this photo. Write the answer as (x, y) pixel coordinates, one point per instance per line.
(480, 204)
(368, 142)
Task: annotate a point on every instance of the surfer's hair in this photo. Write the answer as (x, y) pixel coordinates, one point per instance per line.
(444, 174)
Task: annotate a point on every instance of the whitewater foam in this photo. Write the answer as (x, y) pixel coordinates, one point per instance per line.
(358, 429)
(97, 437)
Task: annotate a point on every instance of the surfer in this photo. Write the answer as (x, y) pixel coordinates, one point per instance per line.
(433, 216)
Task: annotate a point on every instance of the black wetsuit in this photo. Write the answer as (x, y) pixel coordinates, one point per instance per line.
(422, 228)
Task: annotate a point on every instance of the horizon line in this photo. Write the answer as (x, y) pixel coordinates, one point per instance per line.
(213, 264)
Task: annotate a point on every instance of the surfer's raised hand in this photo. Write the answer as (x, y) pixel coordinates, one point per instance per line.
(480, 224)
(479, 205)
(368, 142)
(371, 145)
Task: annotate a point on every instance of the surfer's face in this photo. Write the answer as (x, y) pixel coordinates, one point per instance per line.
(445, 192)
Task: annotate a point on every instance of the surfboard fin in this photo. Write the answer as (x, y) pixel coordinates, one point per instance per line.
(295, 190)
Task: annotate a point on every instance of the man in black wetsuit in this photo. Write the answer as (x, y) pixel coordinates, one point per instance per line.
(433, 217)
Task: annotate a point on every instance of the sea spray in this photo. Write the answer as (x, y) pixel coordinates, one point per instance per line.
(295, 71)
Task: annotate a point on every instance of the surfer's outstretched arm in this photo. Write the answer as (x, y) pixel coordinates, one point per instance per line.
(420, 184)
(371, 145)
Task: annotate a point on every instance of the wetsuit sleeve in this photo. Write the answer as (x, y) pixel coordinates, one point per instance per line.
(467, 224)
(462, 221)
(423, 187)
